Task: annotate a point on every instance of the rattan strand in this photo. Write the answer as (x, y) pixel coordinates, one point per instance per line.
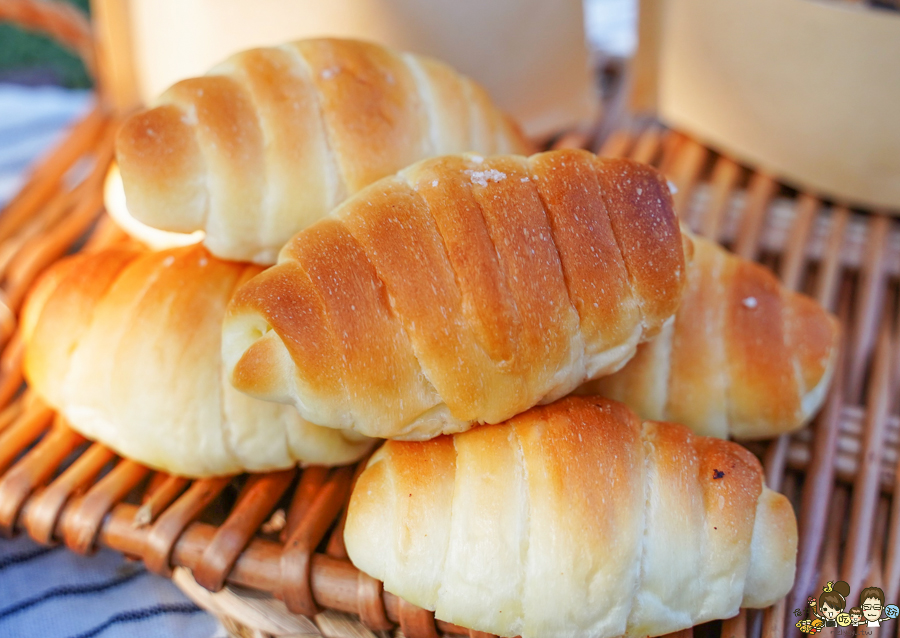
(59, 20)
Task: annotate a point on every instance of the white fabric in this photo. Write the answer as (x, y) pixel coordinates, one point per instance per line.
(32, 121)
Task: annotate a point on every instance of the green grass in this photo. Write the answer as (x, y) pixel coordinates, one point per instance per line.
(22, 50)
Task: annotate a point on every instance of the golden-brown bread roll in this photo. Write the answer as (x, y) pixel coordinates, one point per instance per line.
(745, 357)
(272, 139)
(573, 519)
(126, 345)
(462, 290)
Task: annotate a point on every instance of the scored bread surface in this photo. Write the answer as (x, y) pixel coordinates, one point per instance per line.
(745, 357)
(272, 139)
(462, 290)
(126, 345)
(573, 519)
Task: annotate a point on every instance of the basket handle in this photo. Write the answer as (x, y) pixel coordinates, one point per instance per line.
(61, 21)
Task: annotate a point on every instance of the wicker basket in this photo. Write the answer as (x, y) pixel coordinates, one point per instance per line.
(270, 545)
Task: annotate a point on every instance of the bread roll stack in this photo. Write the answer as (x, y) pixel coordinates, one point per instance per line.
(439, 295)
(127, 346)
(468, 290)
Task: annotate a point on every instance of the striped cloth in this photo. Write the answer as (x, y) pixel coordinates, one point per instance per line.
(49, 591)
(54, 593)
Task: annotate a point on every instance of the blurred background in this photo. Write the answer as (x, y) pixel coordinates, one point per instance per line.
(43, 86)
(29, 59)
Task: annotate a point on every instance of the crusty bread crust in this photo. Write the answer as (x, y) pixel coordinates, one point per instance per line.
(272, 139)
(745, 357)
(463, 290)
(125, 344)
(573, 519)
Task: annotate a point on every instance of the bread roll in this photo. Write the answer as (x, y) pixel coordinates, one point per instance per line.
(573, 519)
(153, 238)
(272, 139)
(463, 290)
(745, 357)
(126, 346)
